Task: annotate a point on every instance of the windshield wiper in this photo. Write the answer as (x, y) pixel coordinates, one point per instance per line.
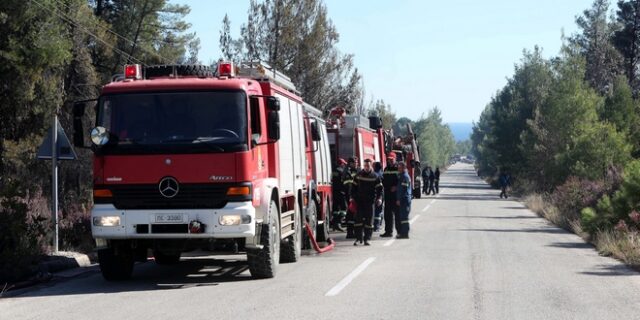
(206, 141)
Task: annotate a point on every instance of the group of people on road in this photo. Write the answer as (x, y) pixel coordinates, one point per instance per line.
(361, 195)
(430, 180)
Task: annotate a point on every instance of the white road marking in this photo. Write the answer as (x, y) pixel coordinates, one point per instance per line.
(389, 242)
(433, 201)
(345, 282)
(414, 219)
(426, 208)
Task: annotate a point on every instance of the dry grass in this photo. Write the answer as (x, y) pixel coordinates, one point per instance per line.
(542, 207)
(624, 246)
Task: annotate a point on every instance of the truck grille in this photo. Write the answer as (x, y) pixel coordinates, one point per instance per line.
(190, 196)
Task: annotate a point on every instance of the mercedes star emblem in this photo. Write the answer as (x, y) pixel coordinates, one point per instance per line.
(168, 187)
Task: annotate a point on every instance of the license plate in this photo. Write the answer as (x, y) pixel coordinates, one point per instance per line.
(169, 218)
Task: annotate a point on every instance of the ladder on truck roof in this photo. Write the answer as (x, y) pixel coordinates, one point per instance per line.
(263, 72)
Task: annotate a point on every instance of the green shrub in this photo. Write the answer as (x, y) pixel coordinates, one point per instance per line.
(611, 211)
(22, 236)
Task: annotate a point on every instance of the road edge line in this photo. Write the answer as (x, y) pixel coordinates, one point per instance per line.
(350, 277)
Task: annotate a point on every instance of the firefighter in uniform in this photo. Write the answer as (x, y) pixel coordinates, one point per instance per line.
(403, 201)
(377, 214)
(339, 200)
(350, 173)
(367, 192)
(390, 182)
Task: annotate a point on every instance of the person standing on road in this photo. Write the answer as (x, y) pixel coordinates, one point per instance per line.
(403, 201)
(377, 215)
(350, 173)
(339, 200)
(367, 192)
(390, 182)
(425, 179)
(437, 179)
(432, 179)
(505, 182)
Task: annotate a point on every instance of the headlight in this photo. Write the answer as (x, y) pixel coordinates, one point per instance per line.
(106, 221)
(236, 219)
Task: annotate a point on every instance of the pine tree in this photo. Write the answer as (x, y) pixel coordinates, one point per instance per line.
(594, 42)
(627, 39)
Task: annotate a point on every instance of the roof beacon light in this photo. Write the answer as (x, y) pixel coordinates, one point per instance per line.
(225, 69)
(133, 71)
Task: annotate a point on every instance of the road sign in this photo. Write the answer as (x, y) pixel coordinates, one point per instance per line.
(64, 151)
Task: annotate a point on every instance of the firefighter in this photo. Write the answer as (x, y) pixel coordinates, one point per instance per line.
(390, 182)
(367, 192)
(403, 201)
(350, 173)
(377, 215)
(339, 199)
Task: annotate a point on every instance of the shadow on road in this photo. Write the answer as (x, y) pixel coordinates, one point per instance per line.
(571, 245)
(497, 217)
(612, 270)
(188, 273)
(527, 230)
(470, 186)
(515, 208)
(470, 197)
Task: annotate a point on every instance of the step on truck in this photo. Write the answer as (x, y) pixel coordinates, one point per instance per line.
(186, 158)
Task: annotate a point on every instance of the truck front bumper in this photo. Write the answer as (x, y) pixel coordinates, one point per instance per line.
(152, 224)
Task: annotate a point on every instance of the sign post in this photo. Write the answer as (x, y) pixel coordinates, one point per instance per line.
(56, 146)
(54, 178)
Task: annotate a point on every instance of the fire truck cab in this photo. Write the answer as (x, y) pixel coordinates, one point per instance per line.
(188, 159)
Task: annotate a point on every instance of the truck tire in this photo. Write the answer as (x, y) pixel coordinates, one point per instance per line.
(264, 262)
(181, 70)
(166, 259)
(312, 220)
(116, 265)
(291, 247)
(194, 70)
(323, 229)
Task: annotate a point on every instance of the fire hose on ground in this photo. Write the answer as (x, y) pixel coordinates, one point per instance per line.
(331, 244)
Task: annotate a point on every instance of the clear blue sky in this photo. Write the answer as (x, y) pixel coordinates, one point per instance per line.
(416, 54)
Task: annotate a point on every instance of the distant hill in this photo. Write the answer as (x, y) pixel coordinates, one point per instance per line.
(461, 131)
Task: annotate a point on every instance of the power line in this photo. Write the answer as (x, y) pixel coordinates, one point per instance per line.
(166, 60)
(82, 28)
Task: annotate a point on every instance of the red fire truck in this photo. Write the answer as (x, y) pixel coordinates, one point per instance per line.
(186, 159)
(365, 138)
(356, 136)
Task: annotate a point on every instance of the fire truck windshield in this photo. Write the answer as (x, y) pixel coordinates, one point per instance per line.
(174, 122)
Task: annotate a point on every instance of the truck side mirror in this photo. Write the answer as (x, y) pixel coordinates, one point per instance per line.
(78, 128)
(273, 126)
(315, 132)
(273, 103)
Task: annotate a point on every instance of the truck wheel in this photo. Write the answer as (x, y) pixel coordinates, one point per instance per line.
(323, 229)
(264, 262)
(166, 259)
(312, 219)
(291, 247)
(116, 265)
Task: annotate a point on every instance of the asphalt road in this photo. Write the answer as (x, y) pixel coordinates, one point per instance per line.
(471, 256)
